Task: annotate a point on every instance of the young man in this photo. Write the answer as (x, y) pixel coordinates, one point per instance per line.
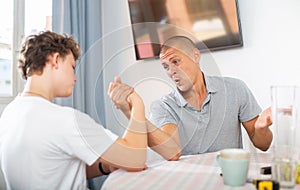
(206, 111)
(47, 146)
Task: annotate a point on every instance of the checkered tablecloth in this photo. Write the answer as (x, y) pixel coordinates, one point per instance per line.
(190, 172)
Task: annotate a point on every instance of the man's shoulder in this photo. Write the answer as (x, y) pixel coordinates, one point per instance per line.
(224, 79)
(227, 81)
(235, 82)
(166, 98)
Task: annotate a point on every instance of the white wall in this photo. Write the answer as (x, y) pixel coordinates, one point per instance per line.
(270, 54)
(2, 106)
(271, 47)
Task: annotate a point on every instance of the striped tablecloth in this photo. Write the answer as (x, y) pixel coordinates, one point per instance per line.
(190, 172)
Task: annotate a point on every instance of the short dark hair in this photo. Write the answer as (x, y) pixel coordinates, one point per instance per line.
(177, 42)
(37, 48)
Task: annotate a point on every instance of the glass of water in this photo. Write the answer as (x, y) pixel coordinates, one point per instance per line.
(284, 116)
(284, 171)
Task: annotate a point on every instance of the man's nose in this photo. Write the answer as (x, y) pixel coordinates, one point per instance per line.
(172, 70)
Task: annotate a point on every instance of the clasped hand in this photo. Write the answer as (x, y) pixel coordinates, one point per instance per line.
(120, 93)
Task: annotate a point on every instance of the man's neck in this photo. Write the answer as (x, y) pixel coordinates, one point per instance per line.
(197, 94)
(37, 87)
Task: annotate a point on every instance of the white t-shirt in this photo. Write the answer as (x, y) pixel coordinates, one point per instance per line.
(47, 146)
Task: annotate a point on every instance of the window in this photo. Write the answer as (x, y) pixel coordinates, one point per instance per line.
(18, 19)
(6, 41)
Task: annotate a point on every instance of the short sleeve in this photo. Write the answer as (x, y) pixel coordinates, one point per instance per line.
(161, 114)
(249, 107)
(87, 140)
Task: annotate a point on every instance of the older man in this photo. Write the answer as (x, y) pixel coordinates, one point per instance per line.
(206, 110)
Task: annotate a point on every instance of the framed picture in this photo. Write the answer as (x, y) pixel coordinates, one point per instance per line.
(212, 25)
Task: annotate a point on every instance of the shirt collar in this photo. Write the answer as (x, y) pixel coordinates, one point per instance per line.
(210, 86)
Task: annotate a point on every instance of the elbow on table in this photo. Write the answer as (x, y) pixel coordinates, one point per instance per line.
(175, 157)
(137, 165)
(136, 169)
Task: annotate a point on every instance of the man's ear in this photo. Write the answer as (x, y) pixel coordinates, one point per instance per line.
(196, 55)
(53, 59)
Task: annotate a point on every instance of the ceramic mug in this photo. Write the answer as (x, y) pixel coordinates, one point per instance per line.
(235, 165)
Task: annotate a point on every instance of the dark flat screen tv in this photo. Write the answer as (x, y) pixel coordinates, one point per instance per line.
(211, 24)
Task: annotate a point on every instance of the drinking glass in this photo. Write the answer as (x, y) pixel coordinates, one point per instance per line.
(284, 118)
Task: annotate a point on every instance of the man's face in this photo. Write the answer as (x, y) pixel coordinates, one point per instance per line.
(66, 75)
(180, 67)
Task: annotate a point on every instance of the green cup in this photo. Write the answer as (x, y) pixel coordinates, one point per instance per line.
(235, 165)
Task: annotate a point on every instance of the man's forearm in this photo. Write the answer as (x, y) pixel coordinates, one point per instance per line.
(262, 138)
(167, 145)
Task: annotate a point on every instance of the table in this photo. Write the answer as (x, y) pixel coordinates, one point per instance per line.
(190, 172)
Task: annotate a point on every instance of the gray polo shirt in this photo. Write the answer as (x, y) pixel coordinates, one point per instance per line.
(218, 124)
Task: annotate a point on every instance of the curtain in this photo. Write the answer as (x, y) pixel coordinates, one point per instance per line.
(82, 20)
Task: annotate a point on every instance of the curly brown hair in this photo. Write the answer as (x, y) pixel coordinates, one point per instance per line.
(37, 48)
